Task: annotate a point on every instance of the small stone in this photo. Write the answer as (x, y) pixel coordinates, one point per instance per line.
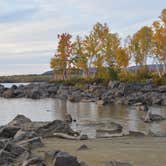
(83, 147)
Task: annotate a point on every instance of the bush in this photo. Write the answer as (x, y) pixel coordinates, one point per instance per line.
(159, 80)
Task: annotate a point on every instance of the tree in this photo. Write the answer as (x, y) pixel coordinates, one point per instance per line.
(62, 59)
(140, 45)
(80, 57)
(111, 44)
(159, 40)
(122, 58)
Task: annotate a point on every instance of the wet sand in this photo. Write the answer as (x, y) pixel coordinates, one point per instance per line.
(139, 151)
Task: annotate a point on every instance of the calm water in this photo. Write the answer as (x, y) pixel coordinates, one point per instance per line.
(84, 113)
(9, 85)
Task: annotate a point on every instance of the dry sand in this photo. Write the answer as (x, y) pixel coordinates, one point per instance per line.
(139, 151)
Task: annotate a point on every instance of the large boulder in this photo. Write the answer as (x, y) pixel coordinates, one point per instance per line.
(8, 93)
(33, 94)
(8, 132)
(19, 121)
(59, 158)
(54, 127)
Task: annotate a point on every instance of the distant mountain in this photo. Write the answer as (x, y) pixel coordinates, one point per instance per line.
(48, 73)
(152, 67)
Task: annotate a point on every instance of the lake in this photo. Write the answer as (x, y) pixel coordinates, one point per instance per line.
(84, 113)
(9, 85)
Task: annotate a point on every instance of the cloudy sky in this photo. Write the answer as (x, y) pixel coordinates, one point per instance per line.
(29, 28)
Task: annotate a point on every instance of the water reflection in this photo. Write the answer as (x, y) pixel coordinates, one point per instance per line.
(51, 109)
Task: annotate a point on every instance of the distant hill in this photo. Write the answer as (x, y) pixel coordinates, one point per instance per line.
(48, 73)
(132, 68)
(152, 67)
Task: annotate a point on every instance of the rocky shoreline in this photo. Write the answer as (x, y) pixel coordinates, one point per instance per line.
(114, 92)
(21, 136)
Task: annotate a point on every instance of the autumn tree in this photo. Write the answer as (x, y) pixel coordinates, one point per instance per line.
(159, 40)
(80, 59)
(122, 57)
(62, 59)
(140, 45)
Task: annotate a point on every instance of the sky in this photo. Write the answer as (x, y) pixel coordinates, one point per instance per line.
(29, 28)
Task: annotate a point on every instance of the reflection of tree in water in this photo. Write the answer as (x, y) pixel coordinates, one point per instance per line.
(133, 120)
(60, 107)
(117, 112)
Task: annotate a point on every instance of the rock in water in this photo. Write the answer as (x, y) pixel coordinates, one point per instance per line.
(68, 118)
(150, 117)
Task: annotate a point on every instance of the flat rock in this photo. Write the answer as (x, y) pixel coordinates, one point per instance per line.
(54, 127)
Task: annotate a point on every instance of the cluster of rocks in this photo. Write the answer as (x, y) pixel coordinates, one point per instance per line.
(114, 92)
(21, 135)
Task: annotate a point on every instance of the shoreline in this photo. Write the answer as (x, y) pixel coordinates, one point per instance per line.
(114, 93)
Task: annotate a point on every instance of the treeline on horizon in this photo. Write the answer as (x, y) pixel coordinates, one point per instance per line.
(25, 78)
(110, 56)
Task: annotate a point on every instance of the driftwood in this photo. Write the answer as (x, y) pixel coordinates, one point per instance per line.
(66, 136)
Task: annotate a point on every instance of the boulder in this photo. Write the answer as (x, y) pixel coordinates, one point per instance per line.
(8, 93)
(54, 127)
(34, 95)
(8, 132)
(59, 158)
(14, 149)
(19, 121)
